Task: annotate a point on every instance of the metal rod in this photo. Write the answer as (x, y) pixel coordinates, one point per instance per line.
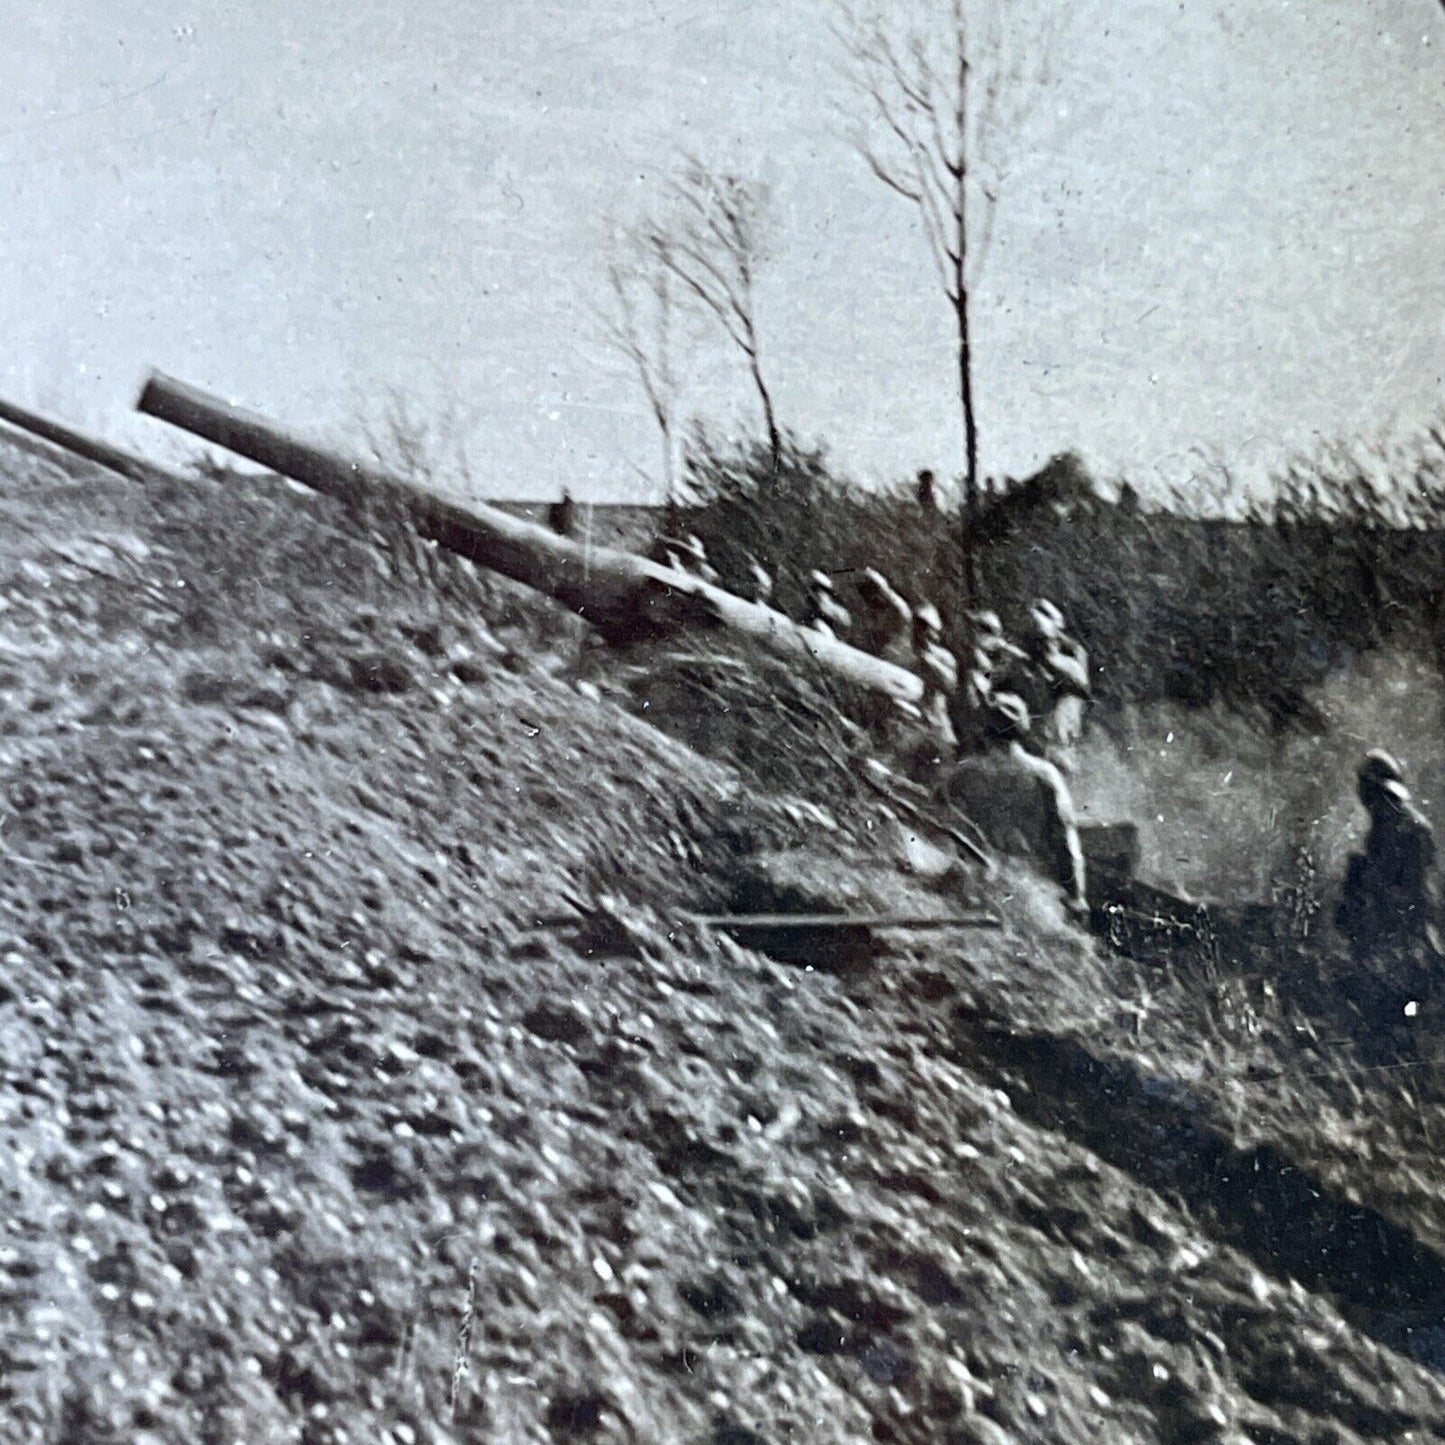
(848, 920)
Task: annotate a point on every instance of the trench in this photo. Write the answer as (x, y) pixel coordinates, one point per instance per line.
(1293, 1225)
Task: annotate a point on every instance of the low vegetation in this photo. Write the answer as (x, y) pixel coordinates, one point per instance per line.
(1207, 598)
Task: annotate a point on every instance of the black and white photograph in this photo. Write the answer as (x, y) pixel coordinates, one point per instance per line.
(722, 723)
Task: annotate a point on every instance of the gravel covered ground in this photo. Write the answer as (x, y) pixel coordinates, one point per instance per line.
(316, 1128)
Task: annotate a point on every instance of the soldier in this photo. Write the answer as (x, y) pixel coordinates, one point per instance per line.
(825, 613)
(1047, 622)
(1052, 677)
(757, 582)
(559, 515)
(1387, 906)
(1387, 914)
(990, 651)
(1019, 800)
(885, 621)
(926, 492)
(938, 668)
(968, 711)
(1070, 662)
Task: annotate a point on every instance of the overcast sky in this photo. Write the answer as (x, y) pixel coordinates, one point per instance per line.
(1222, 228)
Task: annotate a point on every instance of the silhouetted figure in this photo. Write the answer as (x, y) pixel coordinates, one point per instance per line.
(927, 492)
(1019, 800)
(1388, 903)
(1388, 898)
(560, 515)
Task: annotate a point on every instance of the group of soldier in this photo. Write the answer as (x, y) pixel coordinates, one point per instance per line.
(1001, 721)
(1012, 713)
(997, 723)
(1048, 672)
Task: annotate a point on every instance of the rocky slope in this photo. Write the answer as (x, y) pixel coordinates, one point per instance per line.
(317, 1126)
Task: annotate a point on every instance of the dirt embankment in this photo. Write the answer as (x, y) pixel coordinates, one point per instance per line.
(310, 1134)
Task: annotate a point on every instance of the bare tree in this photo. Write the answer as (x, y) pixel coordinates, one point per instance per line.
(713, 247)
(640, 323)
(942, 90)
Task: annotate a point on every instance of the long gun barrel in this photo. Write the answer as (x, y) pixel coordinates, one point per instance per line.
(624, 596)
(80, 443)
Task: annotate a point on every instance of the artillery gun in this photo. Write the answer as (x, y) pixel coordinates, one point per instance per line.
(625, 597)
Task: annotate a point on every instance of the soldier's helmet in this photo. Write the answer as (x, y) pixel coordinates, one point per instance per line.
(927, 624)
(1006, 717)
(821, 581)
(1046, 619)
(1381, 766)
(986, 624)
(1378, 770)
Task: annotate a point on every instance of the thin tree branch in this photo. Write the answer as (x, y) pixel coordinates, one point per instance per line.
(638, 325)
(712, 249)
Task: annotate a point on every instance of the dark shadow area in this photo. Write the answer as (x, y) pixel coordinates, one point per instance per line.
(1293, 1225)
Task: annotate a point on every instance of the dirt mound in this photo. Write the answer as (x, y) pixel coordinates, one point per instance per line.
(316, 1128)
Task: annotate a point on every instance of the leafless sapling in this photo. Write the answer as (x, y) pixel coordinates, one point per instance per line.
(713, 245)
(941, 91)
(640, 323)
